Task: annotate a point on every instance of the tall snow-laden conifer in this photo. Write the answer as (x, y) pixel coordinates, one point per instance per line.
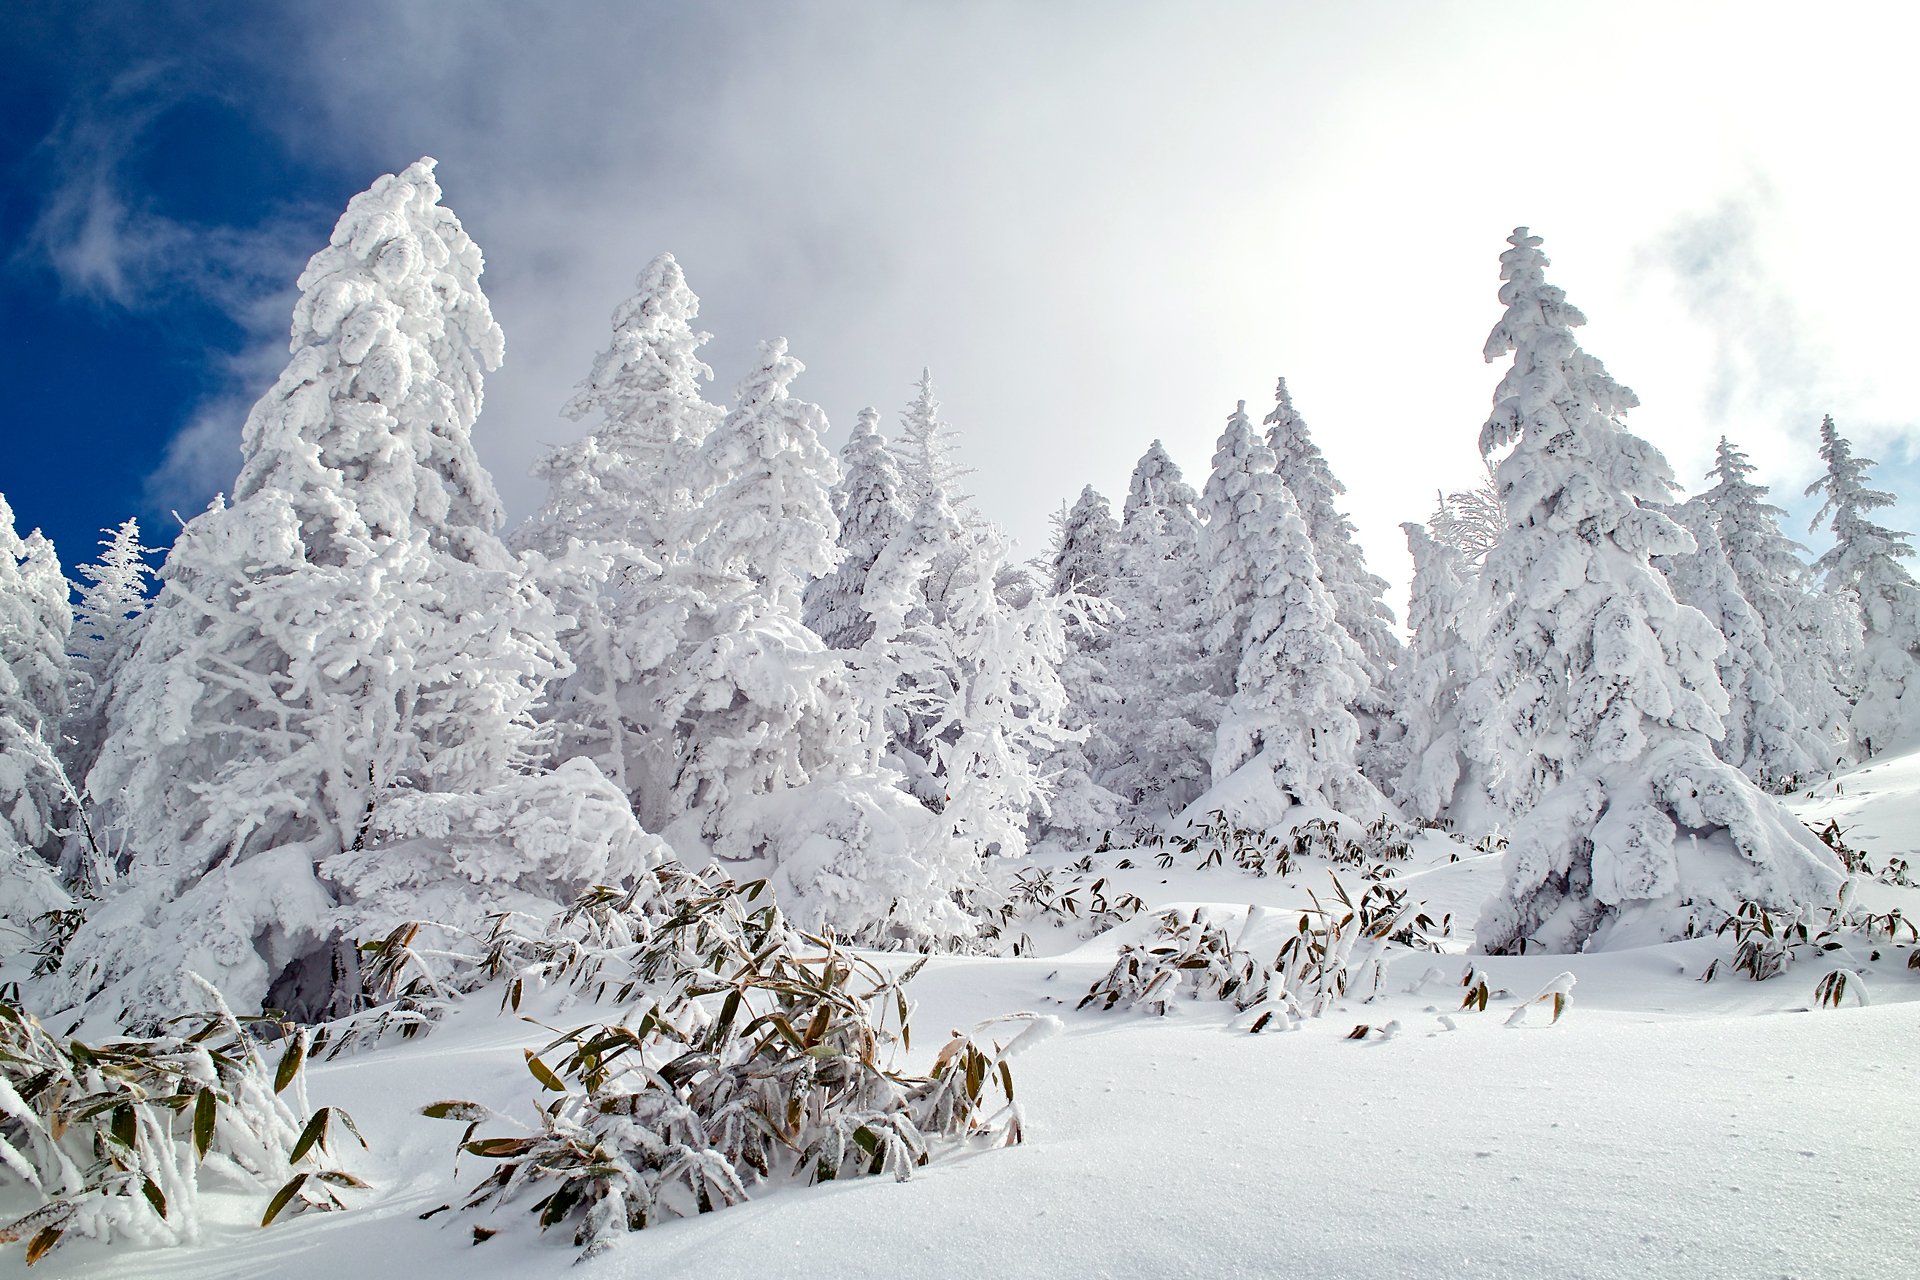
(617, 504)
(926, 449)
(1229, 501)
(106, 625)
(1765, 736)
(870, 503)
(1298, 672)
(1165, 710)
(339, 671)
(627, 482)
(1083, 568)
(1359, 596)
(1438, 664)
(1809, 632)
(1865, 562)
(35, 798)
(1597, 698)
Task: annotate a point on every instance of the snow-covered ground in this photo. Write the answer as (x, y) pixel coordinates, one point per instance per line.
(1663, 1127)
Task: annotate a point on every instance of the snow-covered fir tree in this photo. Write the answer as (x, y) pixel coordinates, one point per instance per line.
(628, 480)
(334, 658)
(1289, 716)
(1359, 596)
(35, 798)
(1165, 710)
(106, 624)
(1812, 634)
(1438, 664)
(1764, 733)
(615, 513)
(754, 703)
(1597, 700)
(1865, 563)
(926, 449)
(1228, 501)
(1082, 571)
(870, 503)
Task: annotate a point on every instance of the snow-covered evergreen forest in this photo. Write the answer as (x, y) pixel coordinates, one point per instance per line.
(703, 762)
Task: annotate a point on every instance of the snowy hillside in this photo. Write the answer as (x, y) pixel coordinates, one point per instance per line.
(1245, 935)
(1662, 1126)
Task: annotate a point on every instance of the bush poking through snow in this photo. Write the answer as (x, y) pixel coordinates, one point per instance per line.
(113, 1138)
(1314, 966)
(1766, 943)
(747, 1051)
(1006, 903)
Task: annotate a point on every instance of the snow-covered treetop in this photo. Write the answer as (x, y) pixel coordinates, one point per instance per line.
(926, 450)
(768, 515)
(626, 483)
(651, 371)
(1551, 375)
(1862, 547)
(114, 597)
(1358, 595)
(391, 337)
(1157, 482)
(1088, 537)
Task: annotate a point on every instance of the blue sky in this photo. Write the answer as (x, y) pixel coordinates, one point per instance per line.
(1097, 223)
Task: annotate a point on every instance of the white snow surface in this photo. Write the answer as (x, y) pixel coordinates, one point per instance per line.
(1662, 1127)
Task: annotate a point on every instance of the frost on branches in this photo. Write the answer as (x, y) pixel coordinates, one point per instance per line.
(1865, 562)
(1812, 634)
(348, 633)
(1298, 672)
(1164, 712)
(34, 794)
(1597, 700)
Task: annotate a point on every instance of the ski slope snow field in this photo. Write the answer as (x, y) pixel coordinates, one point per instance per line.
(1663, 1126)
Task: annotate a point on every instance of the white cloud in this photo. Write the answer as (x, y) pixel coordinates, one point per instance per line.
(1104, 223)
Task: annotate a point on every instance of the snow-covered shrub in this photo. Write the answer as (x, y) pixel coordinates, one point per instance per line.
(114, 1138)
(1010, 902)
(1767, 942)
(1320, 962)
(746, 1052)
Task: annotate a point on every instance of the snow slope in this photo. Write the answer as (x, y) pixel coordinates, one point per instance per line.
(1663, 1127)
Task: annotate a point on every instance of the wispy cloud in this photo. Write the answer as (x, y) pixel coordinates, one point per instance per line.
(1766, 357)
(106, 241)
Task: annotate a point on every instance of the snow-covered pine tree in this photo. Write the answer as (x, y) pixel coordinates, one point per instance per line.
(926, 449)
(343, 643)
(617, 503)
(1865, 562)
(1438, 664)
(1164, 711)
(1597, 697)
(1289, 718)
(1359, 596)
(627, 482)
(1229, 499)
(1765, 736)
(106, 625)
(1082, 571)
(1007, 709)
(35, 620)
(869, 501)
(1812, 634)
